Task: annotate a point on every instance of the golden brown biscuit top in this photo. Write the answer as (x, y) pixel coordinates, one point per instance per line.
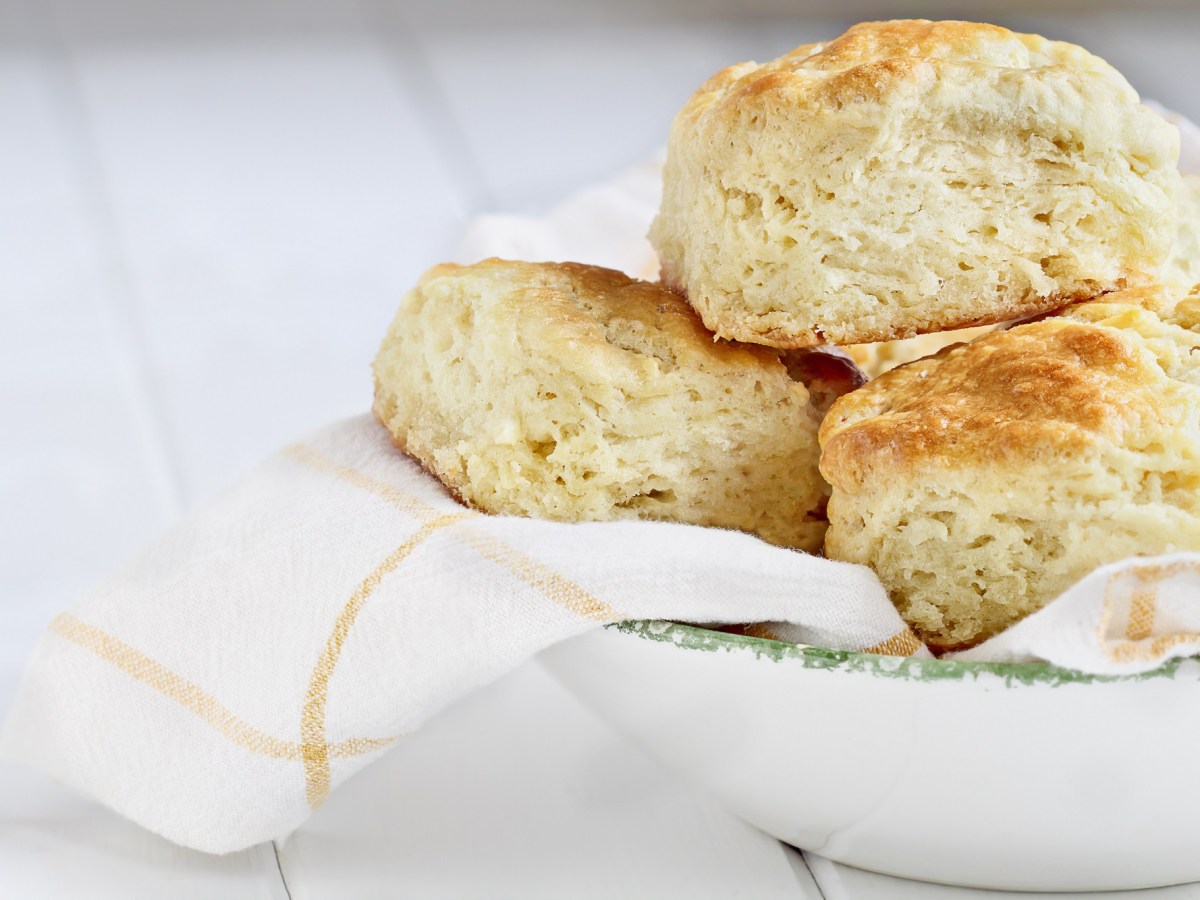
(602, 321)
(870, 59)
(1116, 371)
(870, 42)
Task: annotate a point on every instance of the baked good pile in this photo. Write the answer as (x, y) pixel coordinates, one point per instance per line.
(990, 224)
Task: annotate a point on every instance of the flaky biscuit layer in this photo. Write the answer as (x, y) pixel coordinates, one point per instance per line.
(911, 177)
(575, 393)
(982, 482)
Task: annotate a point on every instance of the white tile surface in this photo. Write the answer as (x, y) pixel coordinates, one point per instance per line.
(83, 477)
(545, 110)
(519, 792)
(273, 198)
(55, 844)
(117, 22)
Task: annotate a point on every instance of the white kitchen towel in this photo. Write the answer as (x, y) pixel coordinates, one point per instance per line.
(286, 634)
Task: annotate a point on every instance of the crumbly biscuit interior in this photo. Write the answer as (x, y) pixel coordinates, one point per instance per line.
(882, 220)
(961, 567)
(976, 502)
(911, 177)
(559, 401)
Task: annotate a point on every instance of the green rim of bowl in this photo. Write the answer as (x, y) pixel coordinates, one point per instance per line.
(692, 637)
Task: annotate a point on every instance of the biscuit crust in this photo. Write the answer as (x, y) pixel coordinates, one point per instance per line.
(982, 482)
(576, 393)
(911, 177)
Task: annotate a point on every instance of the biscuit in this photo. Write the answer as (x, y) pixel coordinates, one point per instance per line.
(982, 482)
(910, 177)
(576, 393)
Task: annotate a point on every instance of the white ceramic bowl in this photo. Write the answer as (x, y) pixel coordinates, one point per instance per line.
(1020, 777)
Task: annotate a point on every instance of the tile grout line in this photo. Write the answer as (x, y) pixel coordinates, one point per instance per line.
(287, 890)
(409, 63)
(119, 294)
(811, 874)
(825, 874)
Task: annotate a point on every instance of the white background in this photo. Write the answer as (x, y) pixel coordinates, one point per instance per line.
(208, 212)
